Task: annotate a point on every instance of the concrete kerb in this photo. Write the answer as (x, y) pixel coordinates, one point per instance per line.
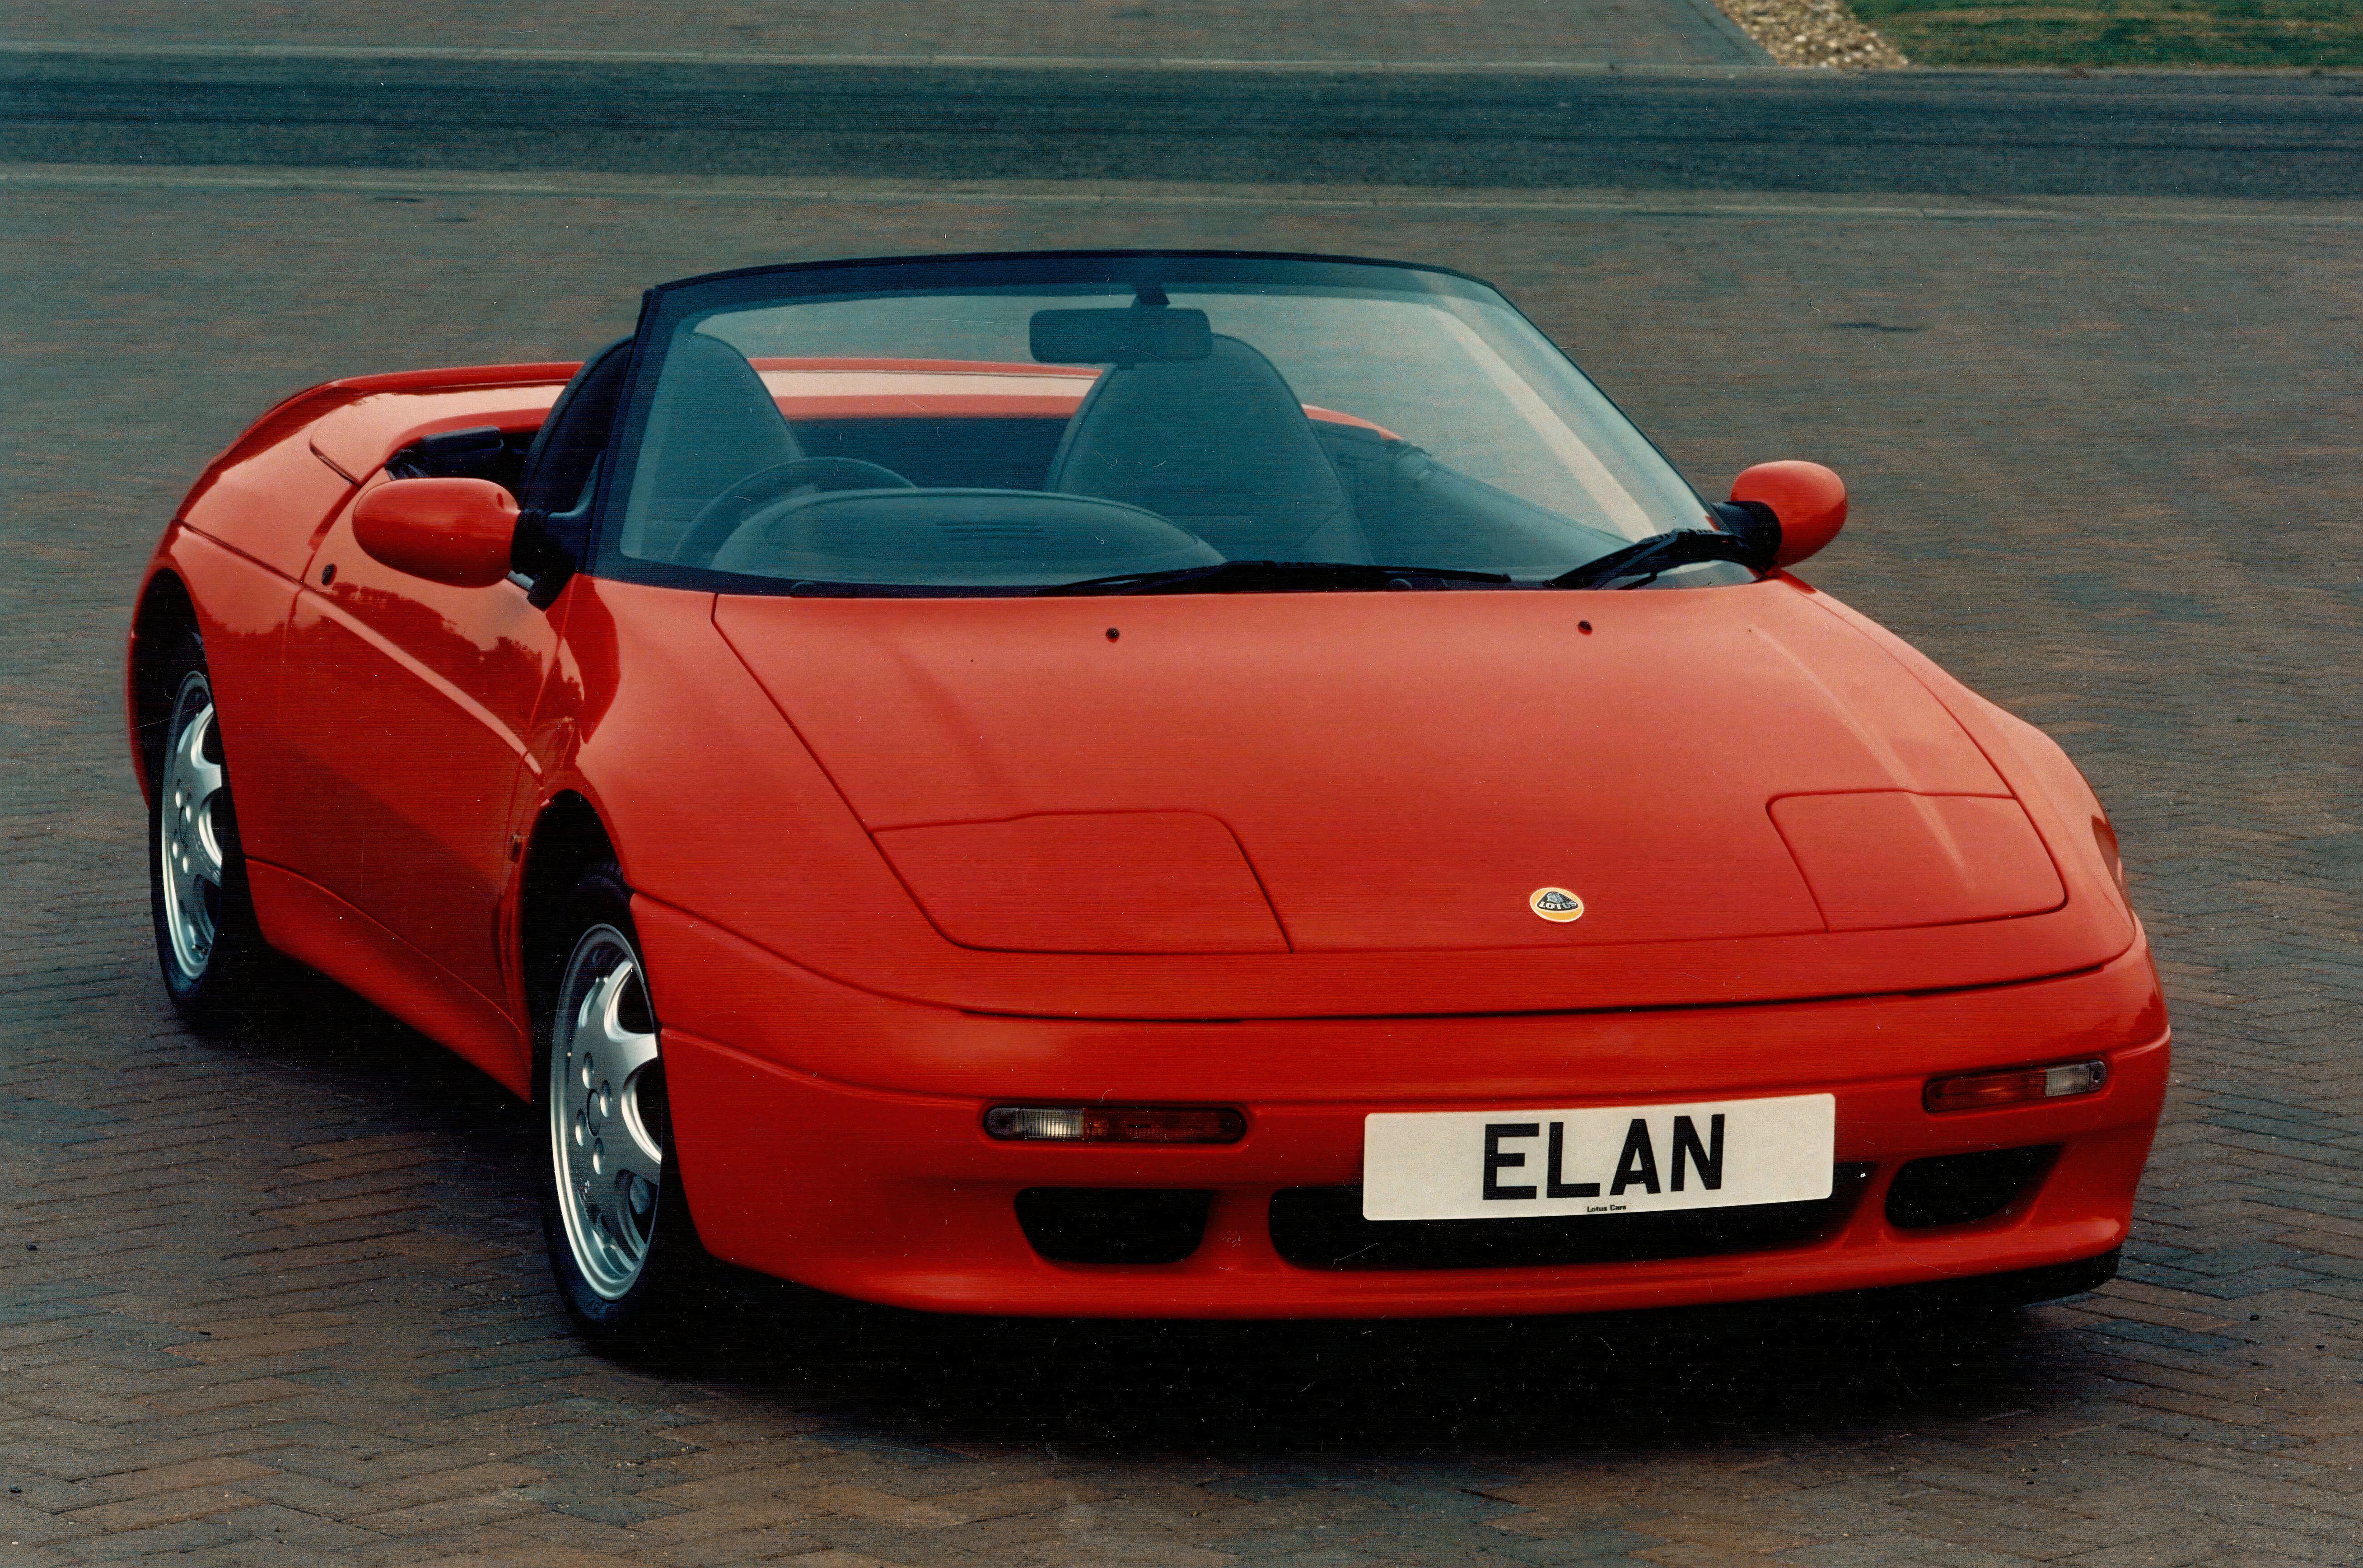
(1732, 33)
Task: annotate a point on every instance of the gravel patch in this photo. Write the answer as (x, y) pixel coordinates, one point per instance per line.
(1824, 33)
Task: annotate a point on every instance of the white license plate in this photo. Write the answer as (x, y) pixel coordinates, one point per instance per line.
(1502, 1165)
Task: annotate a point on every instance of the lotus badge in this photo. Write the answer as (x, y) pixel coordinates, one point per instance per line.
(1556, 903)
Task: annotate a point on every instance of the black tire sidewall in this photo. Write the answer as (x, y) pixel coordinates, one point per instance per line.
(676, 1265)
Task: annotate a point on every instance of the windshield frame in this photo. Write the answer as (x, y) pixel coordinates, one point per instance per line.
(665, 307)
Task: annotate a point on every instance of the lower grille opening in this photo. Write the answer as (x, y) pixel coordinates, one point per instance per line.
(1323, 1228)
(1113, 1225)
(1957, 1189)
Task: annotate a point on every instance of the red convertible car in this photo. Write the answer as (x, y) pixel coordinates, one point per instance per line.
(1140, 784)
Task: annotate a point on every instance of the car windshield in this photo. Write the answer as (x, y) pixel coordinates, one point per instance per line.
(1014, 425)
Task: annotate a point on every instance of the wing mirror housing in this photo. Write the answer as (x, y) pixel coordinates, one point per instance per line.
(1805, 503)
(454, 531)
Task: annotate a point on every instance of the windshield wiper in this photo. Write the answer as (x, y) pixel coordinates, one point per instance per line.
(1644, 558)
(1272, 577)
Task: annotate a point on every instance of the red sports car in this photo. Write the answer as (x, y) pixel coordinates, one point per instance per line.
(1149, 783)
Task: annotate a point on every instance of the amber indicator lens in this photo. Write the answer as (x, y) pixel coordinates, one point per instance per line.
(1117, 1124)
(1976, 1091)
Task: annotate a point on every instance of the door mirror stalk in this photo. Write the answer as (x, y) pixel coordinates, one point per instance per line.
(547, 550)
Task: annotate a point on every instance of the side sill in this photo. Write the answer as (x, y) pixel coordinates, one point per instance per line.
(316, 929)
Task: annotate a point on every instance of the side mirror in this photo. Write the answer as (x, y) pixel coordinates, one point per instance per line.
(455, 531)
(1808, 500)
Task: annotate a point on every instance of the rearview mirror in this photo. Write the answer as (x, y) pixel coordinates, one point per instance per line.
(1121, 337)
(1807, 500)
(454, 531)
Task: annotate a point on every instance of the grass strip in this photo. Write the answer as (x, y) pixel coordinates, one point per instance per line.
(2252, 34)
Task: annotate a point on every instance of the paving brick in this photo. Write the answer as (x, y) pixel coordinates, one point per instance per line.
(741, 1514)
(426, 1518)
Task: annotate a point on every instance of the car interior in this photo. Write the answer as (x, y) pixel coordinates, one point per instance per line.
(1198, 429)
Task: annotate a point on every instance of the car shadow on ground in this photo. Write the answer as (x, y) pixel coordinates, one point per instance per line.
(1403, 1390)
(1411, 1391)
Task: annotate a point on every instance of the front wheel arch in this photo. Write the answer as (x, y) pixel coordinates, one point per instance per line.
(566, 842)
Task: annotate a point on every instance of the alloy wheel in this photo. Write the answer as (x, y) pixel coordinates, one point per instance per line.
(193, 861)
(606, 1117)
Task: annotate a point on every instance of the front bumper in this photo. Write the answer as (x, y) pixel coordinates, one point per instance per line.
(889, 1191)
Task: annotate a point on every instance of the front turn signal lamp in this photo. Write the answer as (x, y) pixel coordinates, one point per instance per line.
(2015, 1086)
(1115, 1124)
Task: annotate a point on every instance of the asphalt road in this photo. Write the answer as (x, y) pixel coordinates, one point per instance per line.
(2187, 136)
(277, 1297)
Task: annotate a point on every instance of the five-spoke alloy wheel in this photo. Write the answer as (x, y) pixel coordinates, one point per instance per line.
(622, 1246)
(606, 1126)
(191, 786)
(214, 961)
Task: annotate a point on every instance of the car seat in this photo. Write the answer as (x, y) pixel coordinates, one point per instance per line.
(564, 454)
(1220, 446)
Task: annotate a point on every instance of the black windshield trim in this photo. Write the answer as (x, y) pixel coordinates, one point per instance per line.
(1281, 577)
(799, 273)
(732, 584)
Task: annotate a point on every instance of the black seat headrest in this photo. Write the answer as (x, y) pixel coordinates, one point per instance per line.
(714, 422)
(558, 463)
(1219, 445)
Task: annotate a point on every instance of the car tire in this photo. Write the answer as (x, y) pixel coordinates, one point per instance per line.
(623, 1249)
(216, 965)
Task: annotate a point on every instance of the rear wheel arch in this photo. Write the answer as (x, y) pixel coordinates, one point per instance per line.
(166, 612)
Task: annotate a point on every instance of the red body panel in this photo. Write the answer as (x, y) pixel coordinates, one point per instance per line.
(836, 1141)
(1879, 861)
(1020, 707)
(270, 498)
(243, 606)
(408, 703)
(375, 724)
(898, 860)
(393, 411)
(1402, 770)
(1088, 882)
(315, 927)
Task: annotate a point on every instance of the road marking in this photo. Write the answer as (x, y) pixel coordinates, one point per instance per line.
(1312, 197)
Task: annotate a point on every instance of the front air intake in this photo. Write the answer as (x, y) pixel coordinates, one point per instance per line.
(1960, 1189)
(1113, 1225)
(1323, 1228)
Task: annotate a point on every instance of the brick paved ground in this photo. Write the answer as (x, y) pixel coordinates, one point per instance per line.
(279, 1299)
(1684, 32)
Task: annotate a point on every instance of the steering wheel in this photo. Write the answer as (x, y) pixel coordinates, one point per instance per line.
(720, 517)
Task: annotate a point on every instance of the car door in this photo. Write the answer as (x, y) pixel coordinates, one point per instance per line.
(407, 705)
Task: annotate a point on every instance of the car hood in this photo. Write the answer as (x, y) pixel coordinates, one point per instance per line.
(1399, 772)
